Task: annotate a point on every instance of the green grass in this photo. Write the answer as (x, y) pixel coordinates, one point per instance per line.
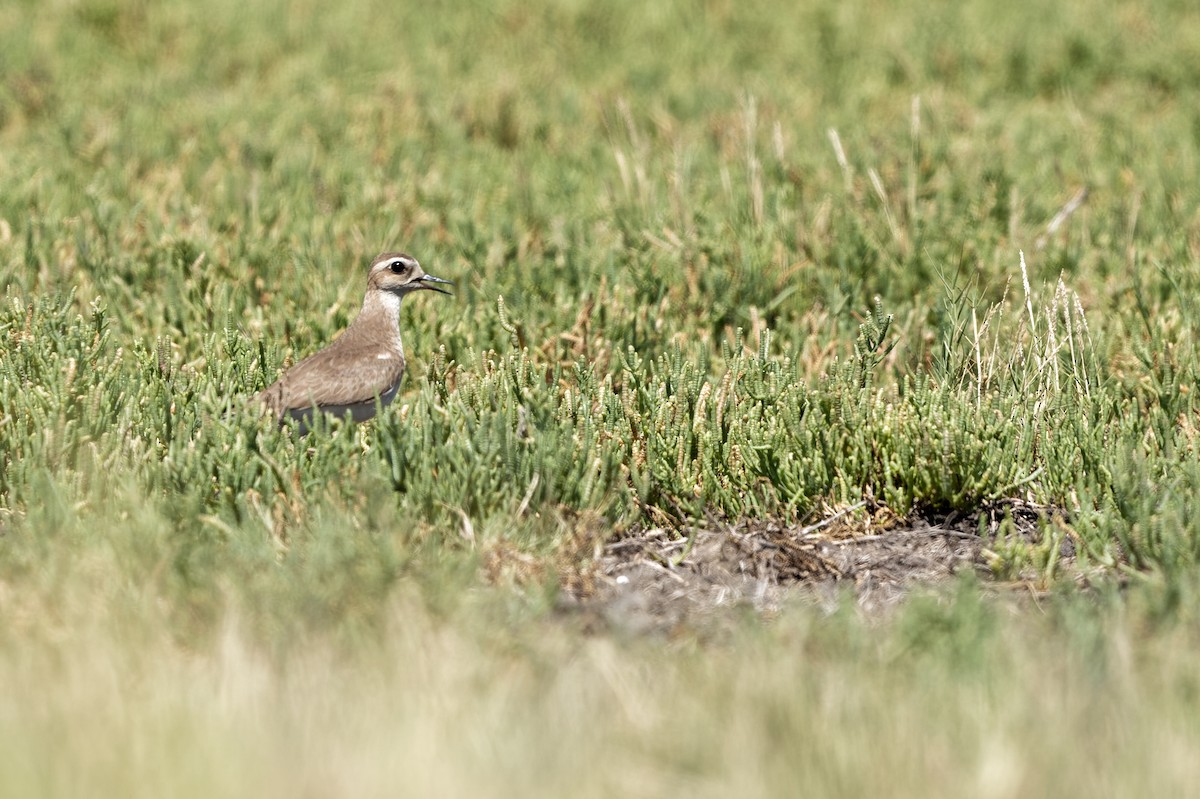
(712, 260)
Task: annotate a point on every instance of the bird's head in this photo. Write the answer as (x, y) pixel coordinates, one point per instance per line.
(399, 273)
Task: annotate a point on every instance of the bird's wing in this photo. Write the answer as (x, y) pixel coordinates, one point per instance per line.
(317, 380)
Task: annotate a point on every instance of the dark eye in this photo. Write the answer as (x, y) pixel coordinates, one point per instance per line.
(397, 267)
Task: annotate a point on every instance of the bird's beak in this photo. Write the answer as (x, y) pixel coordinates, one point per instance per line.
(426, 280)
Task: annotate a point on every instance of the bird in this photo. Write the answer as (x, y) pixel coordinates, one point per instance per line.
(360, 371)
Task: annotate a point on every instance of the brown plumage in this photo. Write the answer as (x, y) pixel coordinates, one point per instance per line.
(366, 362)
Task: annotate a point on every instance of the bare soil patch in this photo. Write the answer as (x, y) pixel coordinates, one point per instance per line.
(655, 579)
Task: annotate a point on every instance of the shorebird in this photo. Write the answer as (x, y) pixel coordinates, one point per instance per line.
(360, 371)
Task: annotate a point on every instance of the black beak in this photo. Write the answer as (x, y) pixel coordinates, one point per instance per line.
(428, 279)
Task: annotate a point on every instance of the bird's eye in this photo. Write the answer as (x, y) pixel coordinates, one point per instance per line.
(397, 267)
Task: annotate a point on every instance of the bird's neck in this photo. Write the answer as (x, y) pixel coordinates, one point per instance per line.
(381, 312)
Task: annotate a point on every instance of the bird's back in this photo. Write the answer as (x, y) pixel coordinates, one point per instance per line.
(349, 372)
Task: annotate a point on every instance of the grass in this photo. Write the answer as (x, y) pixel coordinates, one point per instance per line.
(731, 260)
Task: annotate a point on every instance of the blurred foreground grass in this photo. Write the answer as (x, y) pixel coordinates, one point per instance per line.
(975, 698)
(754, 259)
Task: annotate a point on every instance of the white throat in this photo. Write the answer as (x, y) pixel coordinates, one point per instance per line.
(388, 303)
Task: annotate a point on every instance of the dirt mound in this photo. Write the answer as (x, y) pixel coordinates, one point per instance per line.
(654, 580)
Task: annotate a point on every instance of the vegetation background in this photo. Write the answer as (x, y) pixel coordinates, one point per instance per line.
(714, 260)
